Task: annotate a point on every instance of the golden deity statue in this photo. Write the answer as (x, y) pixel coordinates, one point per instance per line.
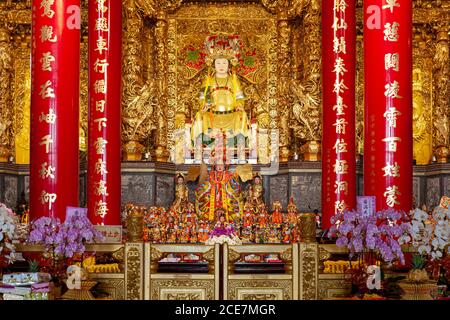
(181, 194)
(221, 97)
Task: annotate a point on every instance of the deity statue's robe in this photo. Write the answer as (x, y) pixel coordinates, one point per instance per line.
(225, 99)
(220, 190)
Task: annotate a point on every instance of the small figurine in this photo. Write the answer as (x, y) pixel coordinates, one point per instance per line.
(203, 232)
(156, 235)
(248, 218)
(286, 234)
(277, 217)
(193, 237)
(274, 236)
(262, 219)
(184, 238)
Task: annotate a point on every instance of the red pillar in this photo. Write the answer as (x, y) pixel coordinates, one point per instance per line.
(338, 78)
(54, 107)
(105, 74)
(388, 102)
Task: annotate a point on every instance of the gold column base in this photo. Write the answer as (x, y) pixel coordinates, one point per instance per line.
(442, 153)
(311, 151)
(161, 154)
(132, 151)
(4, 154)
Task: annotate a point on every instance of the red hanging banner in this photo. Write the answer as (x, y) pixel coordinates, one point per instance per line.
(54, 107)
(338, 90)
(388, 102)
(104, 148)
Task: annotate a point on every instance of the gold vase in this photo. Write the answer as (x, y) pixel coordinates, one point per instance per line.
(4, 154)
(161, 154)
(311, 151)
(307, 223)
(442, 153)
(83, 293)
(132, 151)
(417, 290)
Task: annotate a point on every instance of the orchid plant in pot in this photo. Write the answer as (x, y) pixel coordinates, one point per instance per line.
(431, 234)
(382, 233)
(371, 238)
(63, 240)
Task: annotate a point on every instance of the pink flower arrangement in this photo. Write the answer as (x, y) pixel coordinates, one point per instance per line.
(383, 232)
(65, 239)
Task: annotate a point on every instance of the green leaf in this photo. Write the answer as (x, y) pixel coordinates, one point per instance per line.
(249, 61)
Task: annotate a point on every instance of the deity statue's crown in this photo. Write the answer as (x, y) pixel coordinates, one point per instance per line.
(223, 46)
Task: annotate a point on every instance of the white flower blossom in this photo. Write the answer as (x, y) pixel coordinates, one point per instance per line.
(431, 233)
(7, 227)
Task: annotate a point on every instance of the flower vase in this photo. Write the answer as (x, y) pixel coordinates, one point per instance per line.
(417, 290)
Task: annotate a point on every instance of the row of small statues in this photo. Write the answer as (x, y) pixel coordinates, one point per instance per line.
(186, 226)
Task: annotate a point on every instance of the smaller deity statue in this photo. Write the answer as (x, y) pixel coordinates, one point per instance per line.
(262, 220)
(185, 235)
(257, 190)
(247, 235)
(203, 232)
(222, 227)
(172, 236)
(291, 220)
(286, 234)
(172, 229)
(277, 217)
(193, 237)
(248, 218)
(154, 235)
(190, 218)
(181, 194)
(274, 236)
(292, 213)
(219, 193)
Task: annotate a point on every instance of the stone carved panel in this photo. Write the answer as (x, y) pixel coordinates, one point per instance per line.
(278, 187)
(249, 289)
(137, 189)
(446, 185)
(306, 190)
(11, 193)
(416, 192)
(433, 192)
(164, 190)
(26, 184)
